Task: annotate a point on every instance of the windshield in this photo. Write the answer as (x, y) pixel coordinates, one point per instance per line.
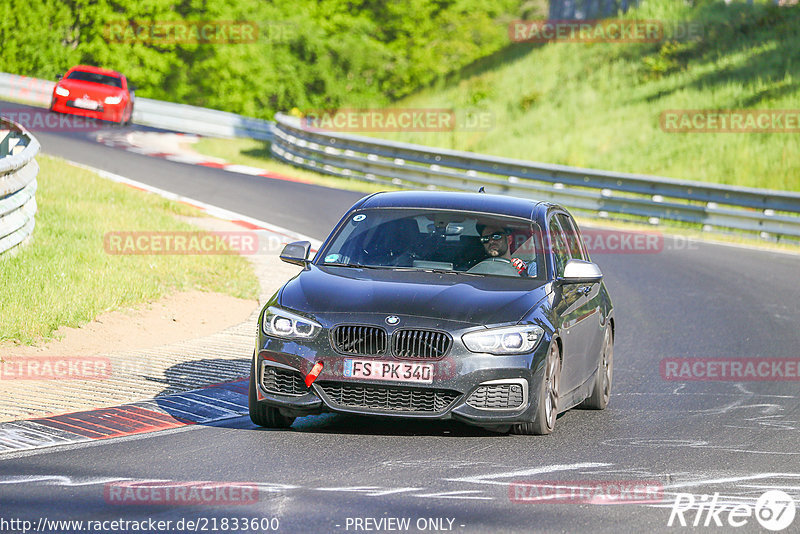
(84, 76)
(438, 240)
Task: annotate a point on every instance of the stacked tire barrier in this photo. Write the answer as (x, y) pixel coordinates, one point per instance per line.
(18, 170)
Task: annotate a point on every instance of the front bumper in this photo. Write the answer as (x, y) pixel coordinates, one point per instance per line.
(106, 112)
(480, 389)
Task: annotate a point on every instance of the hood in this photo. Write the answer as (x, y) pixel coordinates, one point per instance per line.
(476, 300)
(78, 88)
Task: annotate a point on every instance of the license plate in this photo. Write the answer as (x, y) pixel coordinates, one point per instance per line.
(85, 104)
(383, 370)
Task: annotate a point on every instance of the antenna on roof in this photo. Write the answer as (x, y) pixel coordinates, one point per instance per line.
(481, 190)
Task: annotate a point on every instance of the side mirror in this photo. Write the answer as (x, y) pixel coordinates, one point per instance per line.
(296, 253)
(581, 272)
(59, 76)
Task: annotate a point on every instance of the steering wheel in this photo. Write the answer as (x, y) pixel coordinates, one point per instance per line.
(494, 266)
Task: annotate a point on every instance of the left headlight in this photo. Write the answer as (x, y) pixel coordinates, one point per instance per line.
(285, 324)
(60, 91)
(113, 100)
(506, 340)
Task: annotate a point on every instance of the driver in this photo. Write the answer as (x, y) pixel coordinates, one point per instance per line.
(497, 244)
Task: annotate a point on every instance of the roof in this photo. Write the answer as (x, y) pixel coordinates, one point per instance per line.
(96, 70)
(476, 202)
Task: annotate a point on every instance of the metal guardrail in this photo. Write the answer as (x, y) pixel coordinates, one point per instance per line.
(596, 193)
(148, 112)
(18, 170)
(600, 193)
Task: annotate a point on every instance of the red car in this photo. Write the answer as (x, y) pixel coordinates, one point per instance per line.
(94, 92)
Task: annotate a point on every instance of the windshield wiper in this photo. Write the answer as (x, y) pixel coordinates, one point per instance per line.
(354, 265)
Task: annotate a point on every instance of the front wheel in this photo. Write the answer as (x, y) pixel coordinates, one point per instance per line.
(261, 415)
(547, 403)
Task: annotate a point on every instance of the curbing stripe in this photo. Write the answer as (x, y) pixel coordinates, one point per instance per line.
(210, 209)
(124, 142)
(200, 406)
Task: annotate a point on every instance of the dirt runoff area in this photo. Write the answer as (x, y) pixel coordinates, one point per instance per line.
(177, 317)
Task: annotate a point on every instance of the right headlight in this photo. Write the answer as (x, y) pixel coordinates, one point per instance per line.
(60, 91)
(518, 339)
(285, 324)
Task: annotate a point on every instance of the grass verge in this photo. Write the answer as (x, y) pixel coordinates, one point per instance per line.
(599, 105)
(64, 277)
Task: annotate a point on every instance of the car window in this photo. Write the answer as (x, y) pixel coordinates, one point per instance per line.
(94, 77)
(559, 243)
(442, 240)
(575, 243)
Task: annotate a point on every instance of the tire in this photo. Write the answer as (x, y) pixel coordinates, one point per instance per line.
(130, 118)
(547, 403)
(262, 415)
(603, 377)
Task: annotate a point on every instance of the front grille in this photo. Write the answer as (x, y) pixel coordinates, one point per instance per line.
(423, 344)
(497, 397)
(387, 398)
(282, 381)
(359, 340)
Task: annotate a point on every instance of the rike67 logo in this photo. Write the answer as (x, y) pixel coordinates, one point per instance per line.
(774, 511)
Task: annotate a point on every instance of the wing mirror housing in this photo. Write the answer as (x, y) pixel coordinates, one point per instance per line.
(296, 253)
(581, 272)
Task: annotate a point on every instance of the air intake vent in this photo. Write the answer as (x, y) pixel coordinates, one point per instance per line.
(389, 399)
(282, 381)
(420, 344)
(497, 397)
(359, 340)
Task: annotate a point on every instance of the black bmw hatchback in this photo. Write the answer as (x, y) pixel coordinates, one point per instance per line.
(436, 305)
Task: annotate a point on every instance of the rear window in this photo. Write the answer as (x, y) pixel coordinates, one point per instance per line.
(93, 77)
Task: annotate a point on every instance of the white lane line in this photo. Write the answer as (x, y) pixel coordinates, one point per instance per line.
(245, 169)
(370, 491)
(727, 480)
(490, 479)
(59, 480)
(463, 494)
(212, 210)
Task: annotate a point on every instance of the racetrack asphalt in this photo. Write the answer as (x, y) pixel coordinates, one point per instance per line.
(689, 300)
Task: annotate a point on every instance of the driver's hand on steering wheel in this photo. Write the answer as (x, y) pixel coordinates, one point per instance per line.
(520, 265)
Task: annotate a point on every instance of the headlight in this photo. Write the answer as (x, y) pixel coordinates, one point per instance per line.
(281, 323)
(113, 100)
(60, 91)
(506, 340)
